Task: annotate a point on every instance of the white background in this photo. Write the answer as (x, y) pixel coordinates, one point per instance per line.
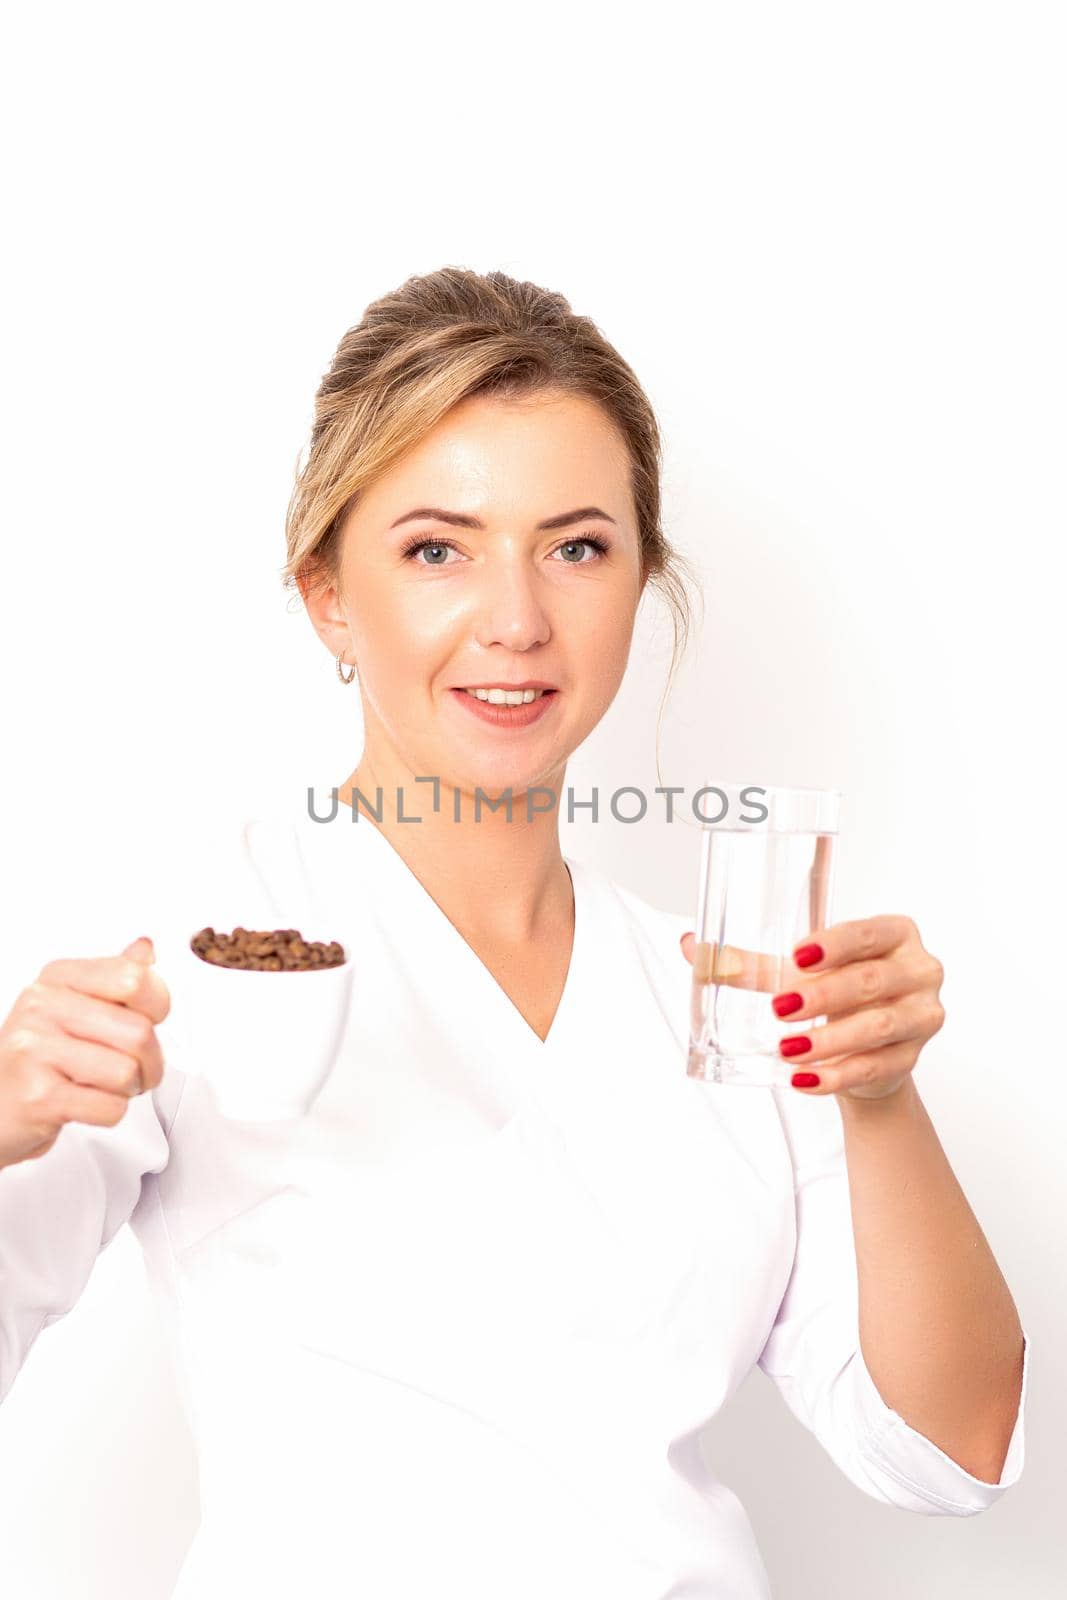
(827, 237)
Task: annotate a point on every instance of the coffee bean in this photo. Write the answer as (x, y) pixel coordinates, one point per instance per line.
(259, 950)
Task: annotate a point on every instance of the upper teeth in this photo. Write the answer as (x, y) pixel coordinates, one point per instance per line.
(506, 697)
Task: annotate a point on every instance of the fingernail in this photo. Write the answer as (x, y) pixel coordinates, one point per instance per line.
(798, 1044)
(806, 955)
(805, 1080)
(785, 1003)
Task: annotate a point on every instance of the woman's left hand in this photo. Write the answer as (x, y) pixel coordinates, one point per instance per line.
(875, 983)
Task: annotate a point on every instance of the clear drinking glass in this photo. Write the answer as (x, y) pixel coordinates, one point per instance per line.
(766, 880)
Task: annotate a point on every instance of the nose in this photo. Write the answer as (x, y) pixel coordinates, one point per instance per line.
(510, 612)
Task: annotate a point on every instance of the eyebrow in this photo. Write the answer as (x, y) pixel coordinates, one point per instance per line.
(458, 520)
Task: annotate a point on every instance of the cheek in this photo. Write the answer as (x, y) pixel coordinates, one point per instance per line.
(399, 635)
(604, 652)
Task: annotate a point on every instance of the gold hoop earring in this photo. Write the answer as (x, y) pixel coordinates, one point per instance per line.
(341, 675)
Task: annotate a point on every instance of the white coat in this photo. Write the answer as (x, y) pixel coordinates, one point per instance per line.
(456, 1331)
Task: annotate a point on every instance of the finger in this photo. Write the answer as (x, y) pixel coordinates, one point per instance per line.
(853, 941)
(847, 988)
(877, 1072)
(737, 967)
(96, 1066)
(712, 963)
(77, 1102)
(910, 1018)
(101, 1023)
(93, 1065)
(123, 979)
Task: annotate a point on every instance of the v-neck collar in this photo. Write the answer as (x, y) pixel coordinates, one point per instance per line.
(382, 856)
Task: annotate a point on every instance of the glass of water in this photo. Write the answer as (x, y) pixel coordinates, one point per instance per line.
(766, 881)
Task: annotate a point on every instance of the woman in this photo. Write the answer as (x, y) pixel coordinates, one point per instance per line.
(459, 1327)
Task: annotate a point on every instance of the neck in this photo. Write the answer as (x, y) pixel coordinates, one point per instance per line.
(490, 875)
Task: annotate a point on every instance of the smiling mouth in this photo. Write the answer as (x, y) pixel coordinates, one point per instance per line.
(494, 707)
(507, 697)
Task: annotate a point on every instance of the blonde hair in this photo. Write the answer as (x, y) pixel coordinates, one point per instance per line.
(433, 342)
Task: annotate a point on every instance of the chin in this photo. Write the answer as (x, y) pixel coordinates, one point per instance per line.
(493, 778)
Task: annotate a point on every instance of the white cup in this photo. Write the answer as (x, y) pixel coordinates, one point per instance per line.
(265, 1041)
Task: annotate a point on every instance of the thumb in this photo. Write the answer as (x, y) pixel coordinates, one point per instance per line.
(711, 963)
(141, 949)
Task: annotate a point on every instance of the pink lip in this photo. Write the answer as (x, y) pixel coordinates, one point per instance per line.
(506, 716)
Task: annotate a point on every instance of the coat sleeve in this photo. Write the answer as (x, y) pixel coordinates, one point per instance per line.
(813, 1351)
(58, 1212)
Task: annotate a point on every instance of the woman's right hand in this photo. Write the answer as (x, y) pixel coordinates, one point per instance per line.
(77, 1045)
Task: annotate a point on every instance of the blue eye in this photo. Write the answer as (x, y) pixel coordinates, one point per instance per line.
(595, 544)
(428, 544)
(414, 546)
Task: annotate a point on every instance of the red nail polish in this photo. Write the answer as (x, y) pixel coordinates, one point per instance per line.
(797, 1045)
(785, 1003)
(805, 1080)
(806, 955)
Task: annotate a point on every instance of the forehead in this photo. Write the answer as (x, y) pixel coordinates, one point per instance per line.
(543, 454)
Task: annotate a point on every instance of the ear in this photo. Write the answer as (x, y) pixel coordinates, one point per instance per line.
(322, 602)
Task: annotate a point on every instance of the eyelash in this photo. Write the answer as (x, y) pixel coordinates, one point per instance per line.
(419, 543)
